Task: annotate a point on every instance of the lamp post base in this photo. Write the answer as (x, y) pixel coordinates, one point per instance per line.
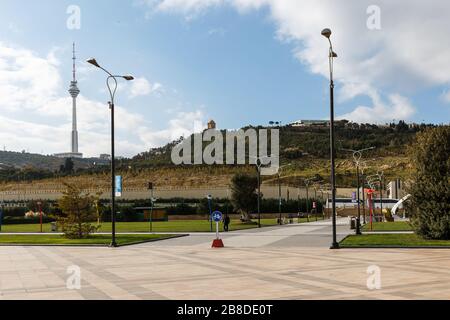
(113, 245)
(358, 227)
(335, 246)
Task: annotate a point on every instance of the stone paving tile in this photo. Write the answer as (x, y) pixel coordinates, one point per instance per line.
(271, 269)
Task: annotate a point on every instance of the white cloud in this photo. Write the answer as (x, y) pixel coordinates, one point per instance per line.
(188, 7)
(217, 31)
(26, 80)
(183, 125)
(408, 53)
(398, 108)
(35, 111)
(143, 87)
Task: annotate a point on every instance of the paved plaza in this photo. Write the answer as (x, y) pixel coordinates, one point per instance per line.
(289, 262)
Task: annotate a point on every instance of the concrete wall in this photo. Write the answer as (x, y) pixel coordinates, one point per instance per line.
(269, 192)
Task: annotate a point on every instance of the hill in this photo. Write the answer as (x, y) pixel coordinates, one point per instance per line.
(305, 148)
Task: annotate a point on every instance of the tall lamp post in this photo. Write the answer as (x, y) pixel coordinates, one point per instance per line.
(112, 92)
(357, 156)
(258, 167)
(40, 213)
(381, 177)
(279, 191)
(362, 169)
(209, 197)
(307, 196)
(327, 34)
(152, 203)
(364, 196)
(259, 164)
(1, 215)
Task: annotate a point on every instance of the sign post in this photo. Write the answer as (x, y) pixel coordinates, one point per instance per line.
(209, 197)
(152, 200)
(217, 217)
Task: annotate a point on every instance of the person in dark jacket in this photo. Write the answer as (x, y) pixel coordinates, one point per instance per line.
(226, 223)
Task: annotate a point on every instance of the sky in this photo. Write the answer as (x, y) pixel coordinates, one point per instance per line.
(238, 62)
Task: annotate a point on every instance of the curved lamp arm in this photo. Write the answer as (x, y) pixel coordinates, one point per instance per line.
(112, 92)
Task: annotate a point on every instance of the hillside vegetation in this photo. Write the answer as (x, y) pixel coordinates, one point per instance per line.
(306, 148)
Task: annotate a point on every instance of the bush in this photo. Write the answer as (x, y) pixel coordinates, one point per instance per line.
(129, 214)
(182, 209)
(14, 212)
(291, 206)
(23, 220)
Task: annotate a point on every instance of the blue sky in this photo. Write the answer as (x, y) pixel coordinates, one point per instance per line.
(239, 62)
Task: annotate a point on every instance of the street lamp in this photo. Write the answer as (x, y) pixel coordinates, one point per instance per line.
(112, 93)
(40, 213)
(153, 200)
(357, 156)
(380, 175)
(279, 190)
(307, 182)
(259, 164)
(327, 34)
(258, 167)
(1, 215)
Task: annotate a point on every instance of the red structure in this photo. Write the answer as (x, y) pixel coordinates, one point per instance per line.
(218, 243)
(370, 193)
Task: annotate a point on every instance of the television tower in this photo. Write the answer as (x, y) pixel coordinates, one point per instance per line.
(74, 92)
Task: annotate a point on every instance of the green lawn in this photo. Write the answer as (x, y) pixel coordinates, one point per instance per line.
(92, 240)
(389, 226)
(403, 240)
(171, 226)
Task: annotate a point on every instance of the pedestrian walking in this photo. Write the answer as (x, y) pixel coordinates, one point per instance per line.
(226, 223)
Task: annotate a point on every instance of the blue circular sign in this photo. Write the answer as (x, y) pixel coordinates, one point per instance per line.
(217, 216)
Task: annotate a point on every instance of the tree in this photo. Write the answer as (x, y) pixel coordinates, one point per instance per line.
(430, 188)
(243, 193)
(67, 167)
(78, 211)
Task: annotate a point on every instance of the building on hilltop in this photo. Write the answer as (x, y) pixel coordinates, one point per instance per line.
(319, 123)
(212, 125)
(310, 123)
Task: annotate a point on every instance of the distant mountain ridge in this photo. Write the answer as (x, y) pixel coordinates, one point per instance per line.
(21, 160)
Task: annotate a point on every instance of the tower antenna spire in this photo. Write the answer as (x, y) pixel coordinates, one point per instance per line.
(74, 61)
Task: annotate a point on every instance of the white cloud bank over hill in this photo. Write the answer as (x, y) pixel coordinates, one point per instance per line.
(409, 52)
